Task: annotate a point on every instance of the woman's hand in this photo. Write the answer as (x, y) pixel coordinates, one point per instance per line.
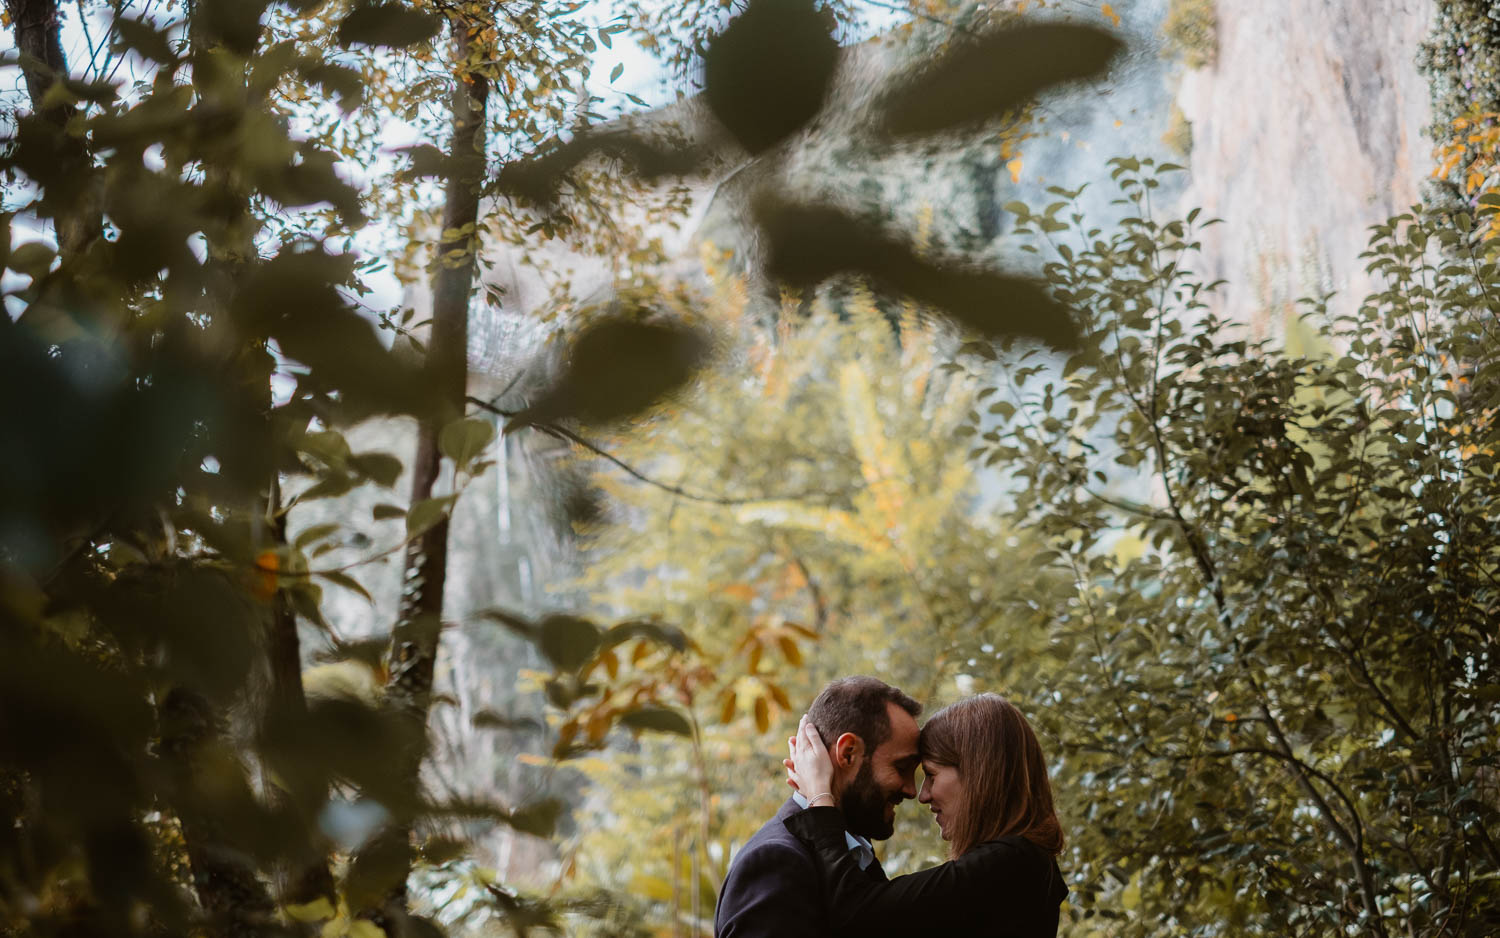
(810, 769)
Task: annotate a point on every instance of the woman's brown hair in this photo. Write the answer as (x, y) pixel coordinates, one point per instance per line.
(987, 741)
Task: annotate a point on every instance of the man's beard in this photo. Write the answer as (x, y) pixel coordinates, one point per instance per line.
(864, 804)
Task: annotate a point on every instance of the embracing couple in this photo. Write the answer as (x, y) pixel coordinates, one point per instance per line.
(811, 871)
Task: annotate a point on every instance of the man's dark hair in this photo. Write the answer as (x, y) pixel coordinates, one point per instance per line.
(858, 705)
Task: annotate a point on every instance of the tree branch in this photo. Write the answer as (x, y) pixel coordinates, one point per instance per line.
(563, 433)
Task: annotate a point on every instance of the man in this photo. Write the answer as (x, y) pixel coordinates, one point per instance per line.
(870, 729)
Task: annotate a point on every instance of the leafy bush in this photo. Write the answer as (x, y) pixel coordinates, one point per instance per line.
(1273, 686)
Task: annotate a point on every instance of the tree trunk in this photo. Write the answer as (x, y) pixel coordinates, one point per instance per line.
(387, 862)
(36, 25)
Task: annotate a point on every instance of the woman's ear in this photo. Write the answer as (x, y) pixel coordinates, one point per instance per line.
(848, 750)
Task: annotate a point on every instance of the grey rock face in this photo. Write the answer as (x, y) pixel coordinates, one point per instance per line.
(1307, 130)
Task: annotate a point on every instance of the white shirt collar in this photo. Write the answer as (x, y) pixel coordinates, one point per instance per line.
(865, 849)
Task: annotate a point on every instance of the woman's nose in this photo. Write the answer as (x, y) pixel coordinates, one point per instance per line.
(925, 795)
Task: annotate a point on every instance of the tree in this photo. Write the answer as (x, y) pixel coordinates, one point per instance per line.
(1271, 686)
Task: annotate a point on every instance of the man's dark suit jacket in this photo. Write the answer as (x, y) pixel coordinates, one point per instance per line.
(775, 887)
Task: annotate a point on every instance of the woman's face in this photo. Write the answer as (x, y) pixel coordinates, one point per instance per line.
(942, 791)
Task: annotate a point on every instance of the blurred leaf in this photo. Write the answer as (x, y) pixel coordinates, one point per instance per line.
(144, 39)
(655, 631)
(539, 819)
(347, 582)
(537, 178)
(766, 75)
(438, 850)
(490, 720)
(426, 161)
(381, 468)
(463, 440)
(659, 719)
(338, 739)
(569, 642)
(340, 80)
(33, 259)
(294, 299)
(235, 23)
(986, 77)
(426, 513)
(517, 624)
(383, 512)
(808, 244)
(618, 368)
(314, 911)
(314, 533)
(387, 24)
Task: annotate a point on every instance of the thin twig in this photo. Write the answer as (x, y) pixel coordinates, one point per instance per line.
(563, 433)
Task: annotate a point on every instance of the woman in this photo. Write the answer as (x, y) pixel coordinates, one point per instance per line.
(986, 784)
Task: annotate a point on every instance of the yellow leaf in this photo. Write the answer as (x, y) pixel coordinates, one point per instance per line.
(1111, 15)
(762, 714)
(366, 929)
(791, 651)
(335, 928)
(314, 911)
(1015, 165)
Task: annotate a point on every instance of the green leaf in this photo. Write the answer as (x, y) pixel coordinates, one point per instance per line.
(387, 24)
(347, 582)
(385, 511)
(315, 533)
(463, 440)
(658, 719)
(616, 72)
(426, 513)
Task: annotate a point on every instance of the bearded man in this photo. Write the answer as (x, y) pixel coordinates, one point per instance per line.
(774, 882)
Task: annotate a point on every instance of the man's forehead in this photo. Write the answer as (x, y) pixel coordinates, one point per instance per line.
(904, 733)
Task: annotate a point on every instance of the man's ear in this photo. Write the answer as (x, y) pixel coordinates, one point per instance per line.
(848, 750)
